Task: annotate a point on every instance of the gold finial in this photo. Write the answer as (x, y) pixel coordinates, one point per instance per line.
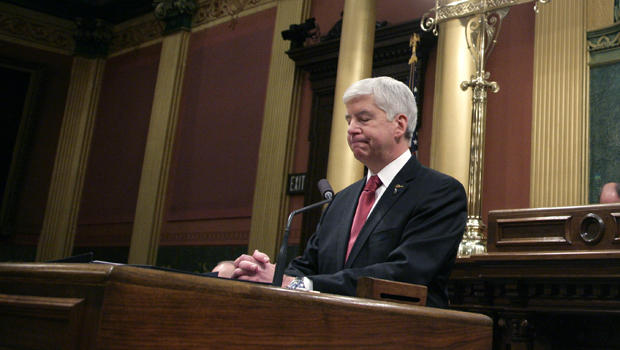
(413, 43)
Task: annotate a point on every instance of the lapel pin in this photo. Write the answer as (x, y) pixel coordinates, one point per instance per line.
(398, 187)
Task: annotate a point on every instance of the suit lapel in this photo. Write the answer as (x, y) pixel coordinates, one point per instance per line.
(392, 194)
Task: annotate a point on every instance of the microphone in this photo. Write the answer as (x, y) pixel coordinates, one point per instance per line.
(326, 189)
(328, 193)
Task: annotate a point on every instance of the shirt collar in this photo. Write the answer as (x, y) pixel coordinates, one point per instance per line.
(388, 173)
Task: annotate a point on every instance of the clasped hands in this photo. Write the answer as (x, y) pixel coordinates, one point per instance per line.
(256, 268)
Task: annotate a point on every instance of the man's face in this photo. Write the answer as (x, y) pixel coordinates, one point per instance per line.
(371, 136)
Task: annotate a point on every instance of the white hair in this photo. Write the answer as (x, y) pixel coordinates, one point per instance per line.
(390, 95)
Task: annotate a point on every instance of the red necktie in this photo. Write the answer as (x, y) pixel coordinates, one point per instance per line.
(367, 199)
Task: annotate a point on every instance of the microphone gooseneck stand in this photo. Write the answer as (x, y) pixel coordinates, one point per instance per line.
(327, 193)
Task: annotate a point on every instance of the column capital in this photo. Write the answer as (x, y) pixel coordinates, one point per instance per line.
(92, 38)
(177, 14)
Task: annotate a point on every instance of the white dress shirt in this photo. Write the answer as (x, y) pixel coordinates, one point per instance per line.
(387, 174)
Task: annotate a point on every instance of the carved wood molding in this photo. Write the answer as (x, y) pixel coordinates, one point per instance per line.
(555, 299)
(147, 28)
(584, 282)
(551, 230)
(604, 45)
(606, 38)
(209, 10)
(36, 29)
(24, 26)
(136, 33)
(578, 228)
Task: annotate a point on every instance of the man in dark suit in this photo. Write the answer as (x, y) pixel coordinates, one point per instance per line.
(402, 222)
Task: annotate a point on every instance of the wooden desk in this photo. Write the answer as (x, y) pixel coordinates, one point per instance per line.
(551, 279)
(543, 300)
(92, 306)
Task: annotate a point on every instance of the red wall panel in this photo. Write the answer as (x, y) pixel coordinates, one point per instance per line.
(221, 115)
(115, 162)
(509, 114)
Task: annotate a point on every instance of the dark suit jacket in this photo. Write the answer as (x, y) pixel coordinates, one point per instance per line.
(412, 235)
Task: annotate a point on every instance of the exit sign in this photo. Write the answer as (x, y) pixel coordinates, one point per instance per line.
(296, 184)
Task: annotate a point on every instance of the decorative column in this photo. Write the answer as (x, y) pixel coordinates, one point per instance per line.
(354, 63)
(484, 19)
(559, 165)
(452, 106)
(63, 202)
(277, 136)
(153, 188)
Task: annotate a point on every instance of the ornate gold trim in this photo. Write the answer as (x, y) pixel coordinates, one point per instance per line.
(603, 45)
(604, 42)
(133, 34)
(450, 9)
(458, 8)
(148, 30)
(31, 28)
(209, 11)
(35, 29)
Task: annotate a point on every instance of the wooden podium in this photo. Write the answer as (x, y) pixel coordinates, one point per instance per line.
(100, 306)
